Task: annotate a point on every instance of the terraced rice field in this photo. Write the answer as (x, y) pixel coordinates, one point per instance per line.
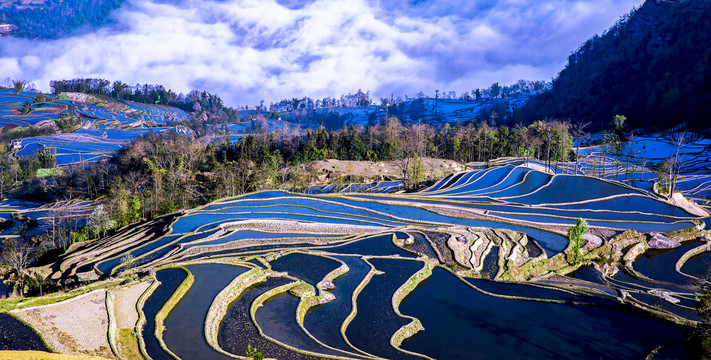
(431, 274)
(105, 124)
(11, 104)
(644, 152)
(35, 217)
(85, 145)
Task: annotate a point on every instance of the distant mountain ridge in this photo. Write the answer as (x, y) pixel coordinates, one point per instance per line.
(653, 66)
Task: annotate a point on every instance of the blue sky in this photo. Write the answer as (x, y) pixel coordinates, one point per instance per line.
(249, 50)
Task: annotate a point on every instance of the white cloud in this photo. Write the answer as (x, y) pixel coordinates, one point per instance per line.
(247, 50)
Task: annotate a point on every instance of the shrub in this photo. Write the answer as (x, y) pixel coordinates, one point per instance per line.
(575, 236)
(166, 207)
(253, 353)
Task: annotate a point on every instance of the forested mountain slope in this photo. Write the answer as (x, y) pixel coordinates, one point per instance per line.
(654, 66)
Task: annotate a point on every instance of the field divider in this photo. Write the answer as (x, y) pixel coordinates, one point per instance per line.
(220, 305)
(415, 326)
(112, 327)
(323, 297)
(142, 317)
(688, 255)
(261, 300)
(354, 311)
(169, 306)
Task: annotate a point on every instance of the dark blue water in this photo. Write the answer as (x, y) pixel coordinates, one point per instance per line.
(489, 178)
(249, 250)
(169, 279)
(565, 189)
(295, 205)
(660, 303)
(420, 244)
(324, 322)
(309, 268)
(552, 243)
(463, 178)
(184, 334)
(516, 176)
(461, 323)
(14, 335)
(699, 265)
(641, 227)
(587, 273)
(660, 264)
(532, 291)
(191, 223)
(108, 266)
(607, 214)
(277, 318)
(532, 182)
(379, 245)
(163, 245)
(491, 263)
(631, 203)
(376, 320)
(237, 329)
(629, 281)
(4, 290)
(442, 183)
(674, 352)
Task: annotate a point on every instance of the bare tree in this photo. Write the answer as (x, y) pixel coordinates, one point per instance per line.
(676, 162)
(579, 133)
(19, 253)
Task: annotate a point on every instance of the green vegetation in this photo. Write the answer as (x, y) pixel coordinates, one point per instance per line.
(575, 236)
(252, 353)
(160, 174)
(201, 102)
(127, 342)
(127, 261)
(49, 172)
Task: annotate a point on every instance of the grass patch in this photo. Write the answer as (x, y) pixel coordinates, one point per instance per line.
(127, 342)
(49, 172)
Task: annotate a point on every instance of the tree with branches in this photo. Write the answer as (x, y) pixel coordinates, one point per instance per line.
(19, 253)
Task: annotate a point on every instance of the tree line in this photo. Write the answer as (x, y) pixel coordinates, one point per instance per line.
(159, 173)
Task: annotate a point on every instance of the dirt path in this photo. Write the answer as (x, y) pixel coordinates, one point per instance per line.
(125, 300)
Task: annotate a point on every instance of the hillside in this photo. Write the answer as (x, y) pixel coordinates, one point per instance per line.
(652, 66)
(53, 19)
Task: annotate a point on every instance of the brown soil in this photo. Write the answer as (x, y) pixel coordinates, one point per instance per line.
(369, 171)
(77, 326)
(125, 300)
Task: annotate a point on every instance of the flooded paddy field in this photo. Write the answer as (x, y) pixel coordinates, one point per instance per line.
(478, 265)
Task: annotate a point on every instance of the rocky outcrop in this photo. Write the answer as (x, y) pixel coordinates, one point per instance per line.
(659, 241)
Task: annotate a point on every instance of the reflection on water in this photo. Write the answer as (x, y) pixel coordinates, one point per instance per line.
(463, 323)
(14, 335)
